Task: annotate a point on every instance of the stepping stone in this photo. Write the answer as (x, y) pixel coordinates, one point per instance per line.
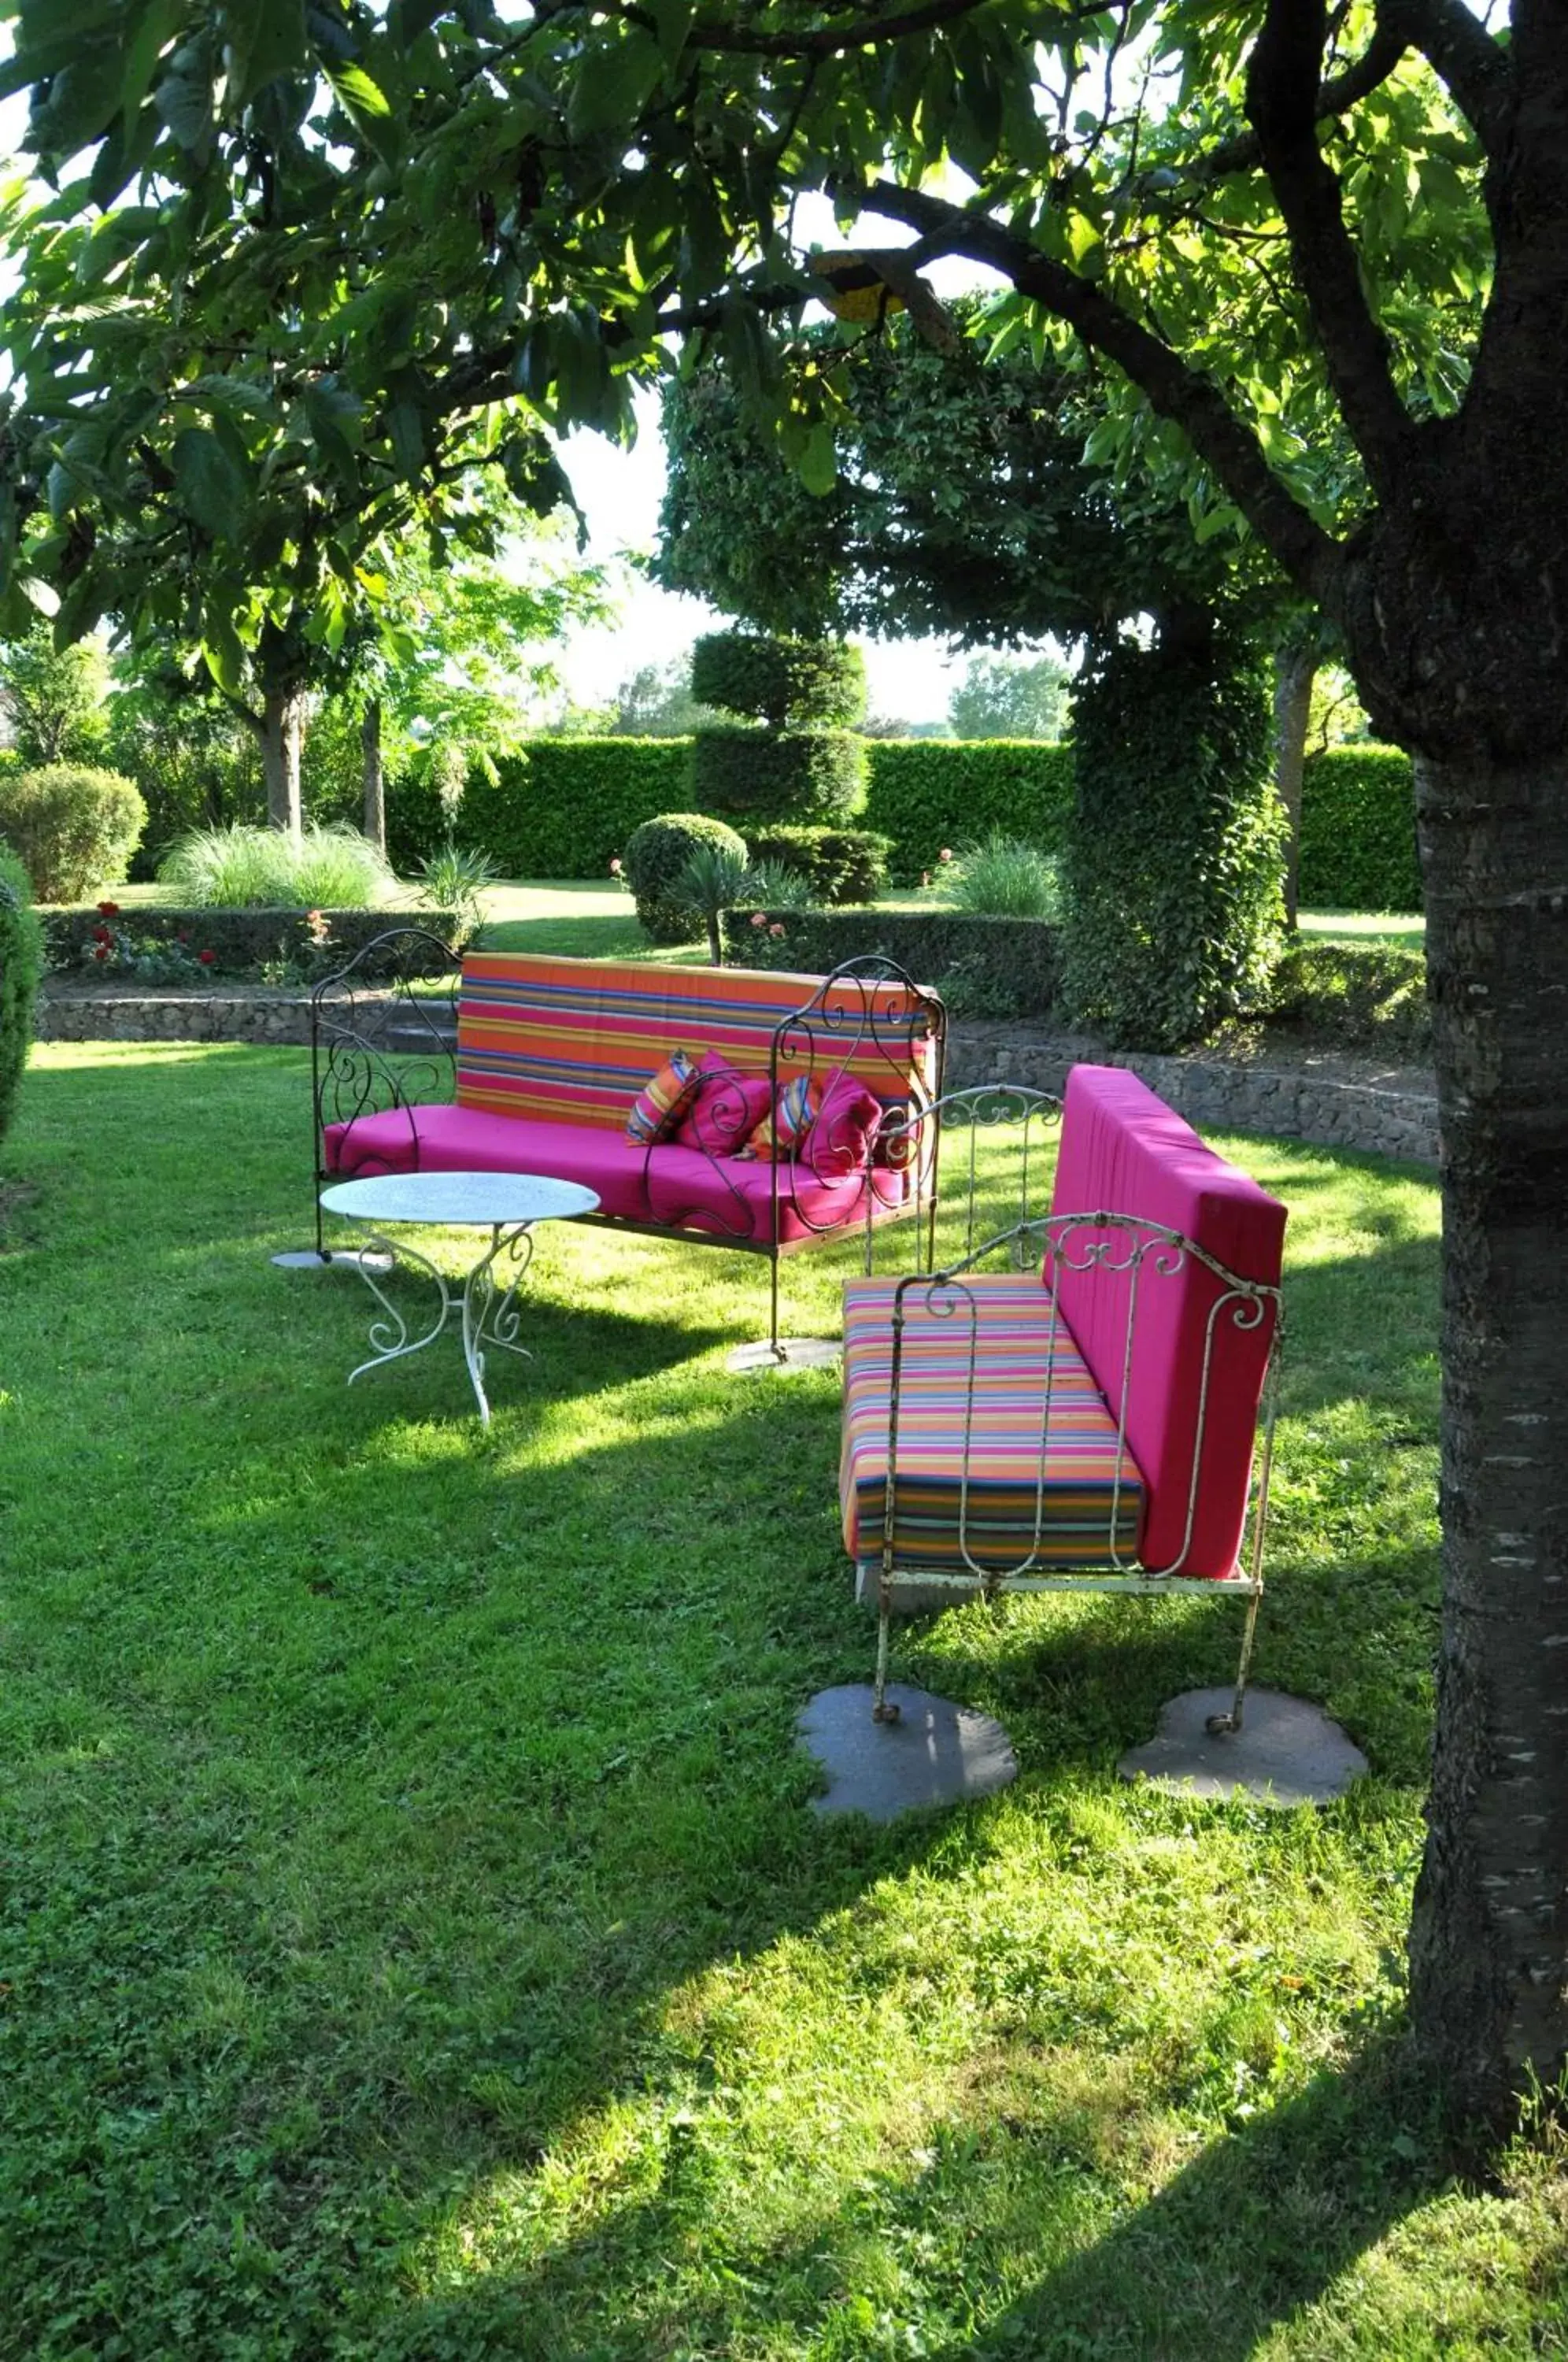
(936, 1753)
(1287, 1752)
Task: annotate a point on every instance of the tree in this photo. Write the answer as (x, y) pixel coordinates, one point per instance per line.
(54, 698)
(357, 231)
(656, 701)
(998, 698)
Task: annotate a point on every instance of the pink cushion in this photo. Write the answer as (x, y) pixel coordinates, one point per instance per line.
(727, 1109)
(839, 1142)
(1123, 1151)
(679, 1188)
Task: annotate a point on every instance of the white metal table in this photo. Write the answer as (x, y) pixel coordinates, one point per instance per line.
(507, 1205)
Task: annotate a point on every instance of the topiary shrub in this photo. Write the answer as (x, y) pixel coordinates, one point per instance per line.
(786, 775)
(21, 965)
(655, 857)
(1171, 877)
(839, 864)
(784, 682)
(73, 829)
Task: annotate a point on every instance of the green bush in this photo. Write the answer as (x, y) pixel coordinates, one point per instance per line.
(800, 776)
(784, 682)
(239, 869)
(560, 808)
(280, 946)
(73, 829)
(657, 858)
(925, 793)
(1172, 874)
(981, 966)
(840, 865)
(1002, 878)
(21, 965)
(1358, 832)
(1368, 995)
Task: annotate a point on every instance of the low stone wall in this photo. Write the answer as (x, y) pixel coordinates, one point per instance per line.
(1392, 1113)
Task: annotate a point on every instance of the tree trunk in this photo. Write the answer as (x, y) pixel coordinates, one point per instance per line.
(282, 745)
(1295, 670)
(1489, 1941)
(375, 776)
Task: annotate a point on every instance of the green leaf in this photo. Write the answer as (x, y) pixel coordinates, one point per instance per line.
(263, 39)
(819, 459)
(405, 426)
(612, 84)
(213, 490)
(159, 23)
(223, 654)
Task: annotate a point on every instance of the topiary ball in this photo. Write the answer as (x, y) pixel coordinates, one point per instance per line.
(656, 854)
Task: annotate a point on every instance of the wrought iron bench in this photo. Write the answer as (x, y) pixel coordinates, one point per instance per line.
(1070, 1400)
(527, 1063)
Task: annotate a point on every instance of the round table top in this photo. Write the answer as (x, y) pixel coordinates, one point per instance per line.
(456, 1199)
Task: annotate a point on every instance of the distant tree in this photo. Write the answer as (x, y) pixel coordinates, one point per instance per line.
(656, 701)
(1003, 697)
(54, 698)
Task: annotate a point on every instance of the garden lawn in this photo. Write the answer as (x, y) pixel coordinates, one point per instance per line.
(414, 1938)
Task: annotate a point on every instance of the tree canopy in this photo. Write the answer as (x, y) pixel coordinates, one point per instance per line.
(1318, 263)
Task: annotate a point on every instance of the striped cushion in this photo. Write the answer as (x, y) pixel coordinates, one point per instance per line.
(1062, 1506)
(574, 1040)
(664, 1098)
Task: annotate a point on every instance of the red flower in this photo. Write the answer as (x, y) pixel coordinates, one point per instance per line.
(102, 953)
(614, 869)
(206, 958)
(101, 935)
(108, 910)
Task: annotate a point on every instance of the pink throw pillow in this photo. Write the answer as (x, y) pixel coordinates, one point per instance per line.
(726, 1110)
(840, 1138)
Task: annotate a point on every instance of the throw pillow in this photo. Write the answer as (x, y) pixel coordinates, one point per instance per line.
(726, 1110)
(783, 1128)
(664, 1099)
(840, 1140)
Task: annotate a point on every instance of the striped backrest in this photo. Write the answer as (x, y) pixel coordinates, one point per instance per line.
(573, 1041)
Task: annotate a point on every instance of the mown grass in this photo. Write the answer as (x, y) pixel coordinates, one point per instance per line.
(414, 1938)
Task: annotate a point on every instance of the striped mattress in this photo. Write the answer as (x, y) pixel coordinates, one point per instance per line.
(571, 1041)
(1062, 1506)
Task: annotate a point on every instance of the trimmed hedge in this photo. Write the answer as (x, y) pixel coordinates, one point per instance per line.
(786, 682)
(241, 941)
(803, 775)
(1368, 995)
(74, 828)
(21, 965)
(981, 966)
(925, 793)
(1358, 831)
(840, 865)
(656, 855)
(561, 807)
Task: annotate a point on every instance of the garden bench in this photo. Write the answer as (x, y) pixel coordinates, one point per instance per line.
(1086, 1417)
(533, 1064)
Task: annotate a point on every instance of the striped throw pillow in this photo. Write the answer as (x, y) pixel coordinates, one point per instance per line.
(665, 1099)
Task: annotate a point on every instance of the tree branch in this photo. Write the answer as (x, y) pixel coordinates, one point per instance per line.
(1472, 67)
(1282, 99)
(1177, 393)
(1335, 98)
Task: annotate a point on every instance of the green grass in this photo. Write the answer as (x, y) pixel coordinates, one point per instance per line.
(414, 1938)
(1366, 926)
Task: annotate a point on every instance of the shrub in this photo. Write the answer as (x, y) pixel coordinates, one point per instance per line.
(453, 881)
(1172, 875)
(840, 864)
(928, 792)
(982, 966)
(73, 829)
(785, 682)
(241, 868)
(1358, 831)
(280, 946)
(1002, 878)
(782, 774)
(1368, 995)
(655, 856)
(21, 965)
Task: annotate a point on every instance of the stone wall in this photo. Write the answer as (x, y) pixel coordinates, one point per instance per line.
(1298, 1097)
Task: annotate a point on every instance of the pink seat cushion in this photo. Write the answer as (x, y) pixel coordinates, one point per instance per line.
(680, 1188)
(727, 1109)
(1124, 1151)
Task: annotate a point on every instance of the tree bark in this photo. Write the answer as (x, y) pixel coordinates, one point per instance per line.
(1489, 1941)
(1295, 670)
(282, 746)
(375, 775)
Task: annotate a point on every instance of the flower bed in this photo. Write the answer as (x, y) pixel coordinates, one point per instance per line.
(163, 945)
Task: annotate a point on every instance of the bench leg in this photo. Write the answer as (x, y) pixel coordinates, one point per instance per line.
(1223, 1724)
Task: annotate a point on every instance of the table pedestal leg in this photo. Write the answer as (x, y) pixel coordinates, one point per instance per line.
(390, 1338)
(489, 1305)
